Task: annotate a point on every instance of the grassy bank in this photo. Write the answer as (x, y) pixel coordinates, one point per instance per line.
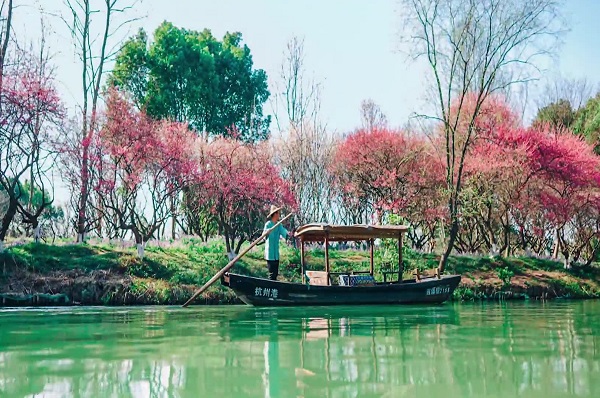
(104, 274)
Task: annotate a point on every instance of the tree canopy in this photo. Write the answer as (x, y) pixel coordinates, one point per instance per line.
(561, 115)
(587, 122)
(190, 76)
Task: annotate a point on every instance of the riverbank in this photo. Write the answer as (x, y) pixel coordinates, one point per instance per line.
(107, 274)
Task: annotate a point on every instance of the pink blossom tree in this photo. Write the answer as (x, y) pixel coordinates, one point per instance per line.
(491, 174)
(570, 174)
(236, 185)
(532, 180)
(94, 44)
(426, 210)
(140, 164)
(389, 171)
(29, 105)
(376, 165)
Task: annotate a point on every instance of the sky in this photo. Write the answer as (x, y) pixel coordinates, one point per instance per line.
(351, 46)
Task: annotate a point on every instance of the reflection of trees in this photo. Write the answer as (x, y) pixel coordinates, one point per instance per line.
(512, 350)
(372, 355)
(528, 350)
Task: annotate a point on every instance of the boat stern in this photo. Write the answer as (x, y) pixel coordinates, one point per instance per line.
(440, 290)
(225, 279)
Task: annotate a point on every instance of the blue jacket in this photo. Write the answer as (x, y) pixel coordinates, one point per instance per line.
(272, 240)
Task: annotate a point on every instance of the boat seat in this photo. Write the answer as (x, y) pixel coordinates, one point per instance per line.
(317, 278)
(418, 275)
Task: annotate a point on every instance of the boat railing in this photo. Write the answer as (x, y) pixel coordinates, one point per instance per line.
(350, 272)
(320, 278)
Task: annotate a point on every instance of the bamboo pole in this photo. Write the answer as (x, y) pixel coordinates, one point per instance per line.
(372, 260)
(327, 257)
(400, 261)
(232, 262)
(302, 262)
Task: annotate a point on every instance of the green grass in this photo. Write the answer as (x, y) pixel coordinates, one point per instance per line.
(167, 274)
(44, 258)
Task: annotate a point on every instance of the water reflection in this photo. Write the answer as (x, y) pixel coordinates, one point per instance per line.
(537, 350)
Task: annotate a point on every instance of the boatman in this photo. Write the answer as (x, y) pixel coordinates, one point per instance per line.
(272, 242)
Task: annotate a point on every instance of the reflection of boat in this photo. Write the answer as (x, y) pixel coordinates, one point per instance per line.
(328, 353)
(318, 328)
(249, 323)
(351, 287)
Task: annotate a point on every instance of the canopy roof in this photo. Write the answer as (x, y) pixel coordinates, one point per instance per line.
(318, 232)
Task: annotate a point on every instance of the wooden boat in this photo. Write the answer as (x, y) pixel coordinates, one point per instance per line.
(350, 287)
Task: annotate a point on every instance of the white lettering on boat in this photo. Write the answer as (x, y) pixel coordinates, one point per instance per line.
(266, 292)
(433, 291)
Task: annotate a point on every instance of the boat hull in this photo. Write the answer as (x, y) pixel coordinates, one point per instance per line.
(267, 293)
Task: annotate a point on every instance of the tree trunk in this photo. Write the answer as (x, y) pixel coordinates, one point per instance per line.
(37, 232)
(139, 243)
(556, 245)
(229, 245)
(592, 257)
(53, 233)
(4, 45)
(8, 217)
(81, 211)
(238, 246)
(506, 230)
(160, 232)
(451, 240)
(140, 249)
(100, 220)
(173, 219)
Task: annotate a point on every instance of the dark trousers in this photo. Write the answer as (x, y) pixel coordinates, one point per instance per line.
(273, 266)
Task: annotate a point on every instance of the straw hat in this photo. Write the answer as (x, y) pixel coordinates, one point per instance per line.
(274, 209)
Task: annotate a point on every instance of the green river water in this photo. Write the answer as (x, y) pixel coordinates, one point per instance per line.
(530, 350)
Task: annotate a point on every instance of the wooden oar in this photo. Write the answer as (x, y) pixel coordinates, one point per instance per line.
(232, 262)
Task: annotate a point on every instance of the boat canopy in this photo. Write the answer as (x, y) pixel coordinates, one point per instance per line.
(357, 232)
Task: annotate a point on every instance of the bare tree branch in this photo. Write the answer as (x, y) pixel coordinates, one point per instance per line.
(371, 115)
(95, 52)
(475, 48)
(305, 148)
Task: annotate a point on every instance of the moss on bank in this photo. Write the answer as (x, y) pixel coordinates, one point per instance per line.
(104, 274)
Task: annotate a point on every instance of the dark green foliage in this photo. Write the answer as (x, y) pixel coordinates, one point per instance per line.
(584, 121)
(505, 274)
(190, 76)
(559, 115)
(587, 122)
